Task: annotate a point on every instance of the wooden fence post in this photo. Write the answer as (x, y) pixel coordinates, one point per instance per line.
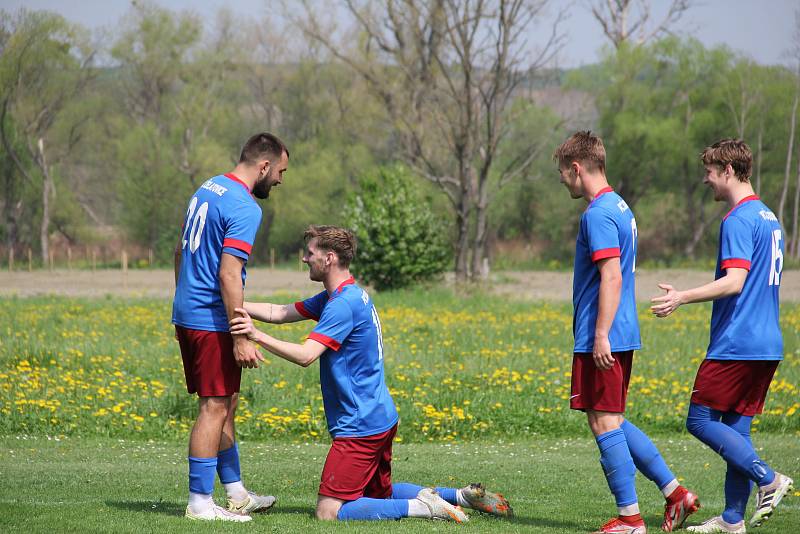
(30, 260)
(124, 264)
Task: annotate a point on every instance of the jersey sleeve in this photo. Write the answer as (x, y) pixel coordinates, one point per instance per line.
(311, 308)
(602, 235)
(334, 325)
(241, 224)
(736, 244)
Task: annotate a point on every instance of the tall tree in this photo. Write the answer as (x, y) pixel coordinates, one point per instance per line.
(179, 93)
(447, 73)
(629, 21)
(44, 68)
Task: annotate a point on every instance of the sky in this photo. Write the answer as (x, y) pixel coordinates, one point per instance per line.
(760, 29)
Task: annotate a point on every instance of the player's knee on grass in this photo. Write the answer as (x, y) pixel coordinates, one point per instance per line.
(328, 508)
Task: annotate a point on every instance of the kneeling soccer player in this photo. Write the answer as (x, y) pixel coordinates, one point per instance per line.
(362, 418)
(606, 330)
(746, 345)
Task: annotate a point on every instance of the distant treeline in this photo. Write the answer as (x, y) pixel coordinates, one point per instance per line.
(105, 138)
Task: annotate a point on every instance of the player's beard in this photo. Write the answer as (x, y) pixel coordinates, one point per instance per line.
(315, 275)
(261, 189)
(263, 186)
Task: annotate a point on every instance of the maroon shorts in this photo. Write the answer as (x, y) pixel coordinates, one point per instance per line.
(359, 467)
(208, 362)
(594, 389)
(734, 385)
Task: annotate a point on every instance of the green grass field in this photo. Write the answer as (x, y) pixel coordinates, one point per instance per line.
(95, 415)
(555, 485)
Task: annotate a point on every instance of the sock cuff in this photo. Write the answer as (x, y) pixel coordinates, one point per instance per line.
(203, 461)
(610, 438)
(229, 452)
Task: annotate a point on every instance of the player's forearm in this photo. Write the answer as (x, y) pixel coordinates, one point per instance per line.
(272, 313)
(721, 288)
(231, 290)
(607, 304)
(301, 355)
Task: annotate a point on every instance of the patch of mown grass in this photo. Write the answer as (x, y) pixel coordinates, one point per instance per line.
(555, 485)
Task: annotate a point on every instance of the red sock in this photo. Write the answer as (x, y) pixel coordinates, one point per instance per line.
(677, 494)
(634, 519)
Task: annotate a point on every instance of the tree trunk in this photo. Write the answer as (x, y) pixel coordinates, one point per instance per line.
(481, 233)
(794, 244)
(462, 240)
(47, 187)
(695, 214)
(788, 169)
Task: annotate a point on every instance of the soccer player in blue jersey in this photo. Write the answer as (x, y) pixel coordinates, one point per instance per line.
(746, 345)
(606, 330)
(362, 420)
(218, 234)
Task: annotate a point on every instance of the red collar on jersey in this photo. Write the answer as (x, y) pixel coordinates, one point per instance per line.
(602, 192)
(235, 178)
(347, 282)
(745, 199)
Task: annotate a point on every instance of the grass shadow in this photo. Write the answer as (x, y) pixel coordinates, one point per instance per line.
(150, 507)
(176, 509)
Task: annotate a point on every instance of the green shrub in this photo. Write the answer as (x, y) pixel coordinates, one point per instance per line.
(400, 241)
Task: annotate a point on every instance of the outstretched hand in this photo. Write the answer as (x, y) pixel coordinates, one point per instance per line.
(245, 353)
(667, 303)
(243, 325)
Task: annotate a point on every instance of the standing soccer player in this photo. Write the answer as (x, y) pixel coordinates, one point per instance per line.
(362, 418)
(746, 345)
(606, 330)
(218, 234)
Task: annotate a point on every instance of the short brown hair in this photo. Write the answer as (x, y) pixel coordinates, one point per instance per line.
(583, 147)
(733, 152)
(340, 240)
(262, 146)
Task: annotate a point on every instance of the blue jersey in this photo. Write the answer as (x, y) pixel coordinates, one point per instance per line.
(746, 326)
(222, 217)
(357, 401)
(607, 230)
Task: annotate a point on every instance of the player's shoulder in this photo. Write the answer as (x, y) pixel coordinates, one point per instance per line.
(354, 294)
(750, 214)
(609, 205)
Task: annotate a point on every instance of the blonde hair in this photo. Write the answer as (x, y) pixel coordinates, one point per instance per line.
(583, 147)
(340, 240)
(733, 152)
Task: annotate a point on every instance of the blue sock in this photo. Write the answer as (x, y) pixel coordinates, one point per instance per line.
(201, 475)
(704, 424)
(404, 490)
(448, 494)
(228, 465)
(646, 456)
(618, 466)
(366, 509)
(737, 485)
